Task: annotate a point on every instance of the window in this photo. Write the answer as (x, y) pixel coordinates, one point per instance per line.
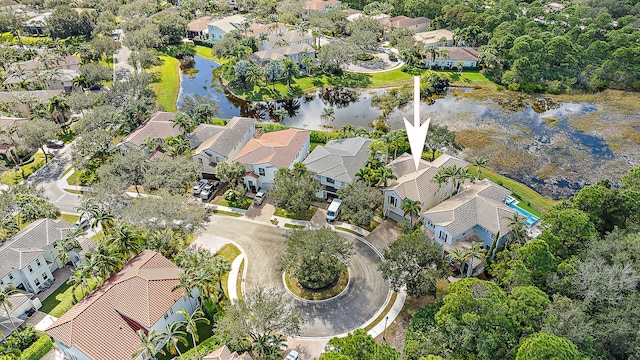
(37, 282)
(38, 262)
(171, 311)
(30, 269)
(261, 171)
(443, 235)
(1, 282)
(331, 181)
(392, 201)
(10, 276)
(166, 316)
(45, 276)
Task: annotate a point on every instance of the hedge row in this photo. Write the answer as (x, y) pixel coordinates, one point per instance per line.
(203, 43)
(203, 349)
(38, 349)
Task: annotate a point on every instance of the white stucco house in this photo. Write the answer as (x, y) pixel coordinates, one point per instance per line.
(466, 55)
(297, 53)
(103, 325)
(28, 258)
(285, 38)
(214, 144)
(416, 185)
(476, 214)
(219, 28)
(440, 37)
(21, 304)
(336, 163)
(271, 151)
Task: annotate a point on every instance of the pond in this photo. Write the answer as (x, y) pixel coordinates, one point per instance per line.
(556, 150)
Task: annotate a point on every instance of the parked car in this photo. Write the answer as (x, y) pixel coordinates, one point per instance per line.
(197, 188)
(55, 144)
(82, 223)
(334, 210)
(292, 355)
(259, 197)
(209, 190)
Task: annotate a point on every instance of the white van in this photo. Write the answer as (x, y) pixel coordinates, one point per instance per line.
(334, 210)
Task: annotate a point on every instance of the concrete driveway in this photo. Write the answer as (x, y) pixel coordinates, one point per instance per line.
(47, 177)
(262, 244)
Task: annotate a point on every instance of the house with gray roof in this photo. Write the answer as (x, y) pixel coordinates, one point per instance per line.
(28, 258)
(285, 38)
(416, 185)
(477, 213)
(336, 163)
(297, 53)
(21, 303)
(215, 144)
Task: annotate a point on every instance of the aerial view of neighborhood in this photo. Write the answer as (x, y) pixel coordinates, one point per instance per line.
(319, 179)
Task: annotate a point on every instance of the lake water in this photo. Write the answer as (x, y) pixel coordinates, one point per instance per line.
(541, 149)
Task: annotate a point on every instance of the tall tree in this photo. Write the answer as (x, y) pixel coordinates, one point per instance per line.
(290, 70)
(542, 345)
(328, 114)
(174, 335)
(411, 208)
(294, 189)
(5, 293)
(35, 133)
(233, 172)
(438, 137)
(359, 203)
(149, 344)
(192, 321)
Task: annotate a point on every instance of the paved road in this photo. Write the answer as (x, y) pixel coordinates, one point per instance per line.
(262, 244)
(121, 67)
(47, 176)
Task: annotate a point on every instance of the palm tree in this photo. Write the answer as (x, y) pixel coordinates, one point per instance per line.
(365, 174)
(518, 233)
(281, 113)
(175, 335)
(475, 252)
(309, 65)
(67, 244)
(186, 282)
(125, 239)
(5, 293)
(80, 278)
(150, 143)
(411, 208)
(191, 322)
(347, 130)
(149, 344)
(384, 174)
(290, 70)
(254, 74)
(59, 107)
(105, 259)
(328, 115)
(457, 257)
(480, 163)
(220, 266)
(433, 52)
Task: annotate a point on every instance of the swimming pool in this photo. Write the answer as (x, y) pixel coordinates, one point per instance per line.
(531, 219)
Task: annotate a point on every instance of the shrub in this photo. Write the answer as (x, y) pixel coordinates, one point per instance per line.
(203, 43)
(39, 349)
(210, 308)
(203, 349)
(22, 339)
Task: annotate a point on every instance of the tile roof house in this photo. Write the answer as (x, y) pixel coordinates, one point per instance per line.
(58, 74)
(286, 38)
(320, 6)
(418, 24)
(271, 151)
(468, 56)
(258, 30)
(441, 37)
(477, 213)
(159, 126)
(215, 144)
(23, 101)
(297, 53)
(103, 325)
(336, 163)
(21, 303)
(223, 353)
(219, 28)
(199, 28)
(416, 185)
(27, 257)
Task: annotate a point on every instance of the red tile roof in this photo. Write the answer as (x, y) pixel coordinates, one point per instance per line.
(278, 148)
(104, 324)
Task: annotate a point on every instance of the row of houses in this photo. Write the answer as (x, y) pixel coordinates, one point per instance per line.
(478, 210)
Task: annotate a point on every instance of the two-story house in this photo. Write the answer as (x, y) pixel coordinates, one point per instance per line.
(215, 144)
(477, 213)
(28, 257)
(271, 151)
(416, 185)
(336, 163)
(284, 39)
(219, 28)
(42, 73)
(296, 53)
(199, 28)
(159, 126)
(103, 325)
(417, 25)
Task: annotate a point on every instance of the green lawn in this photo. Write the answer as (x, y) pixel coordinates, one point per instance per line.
(288, 214)
(166, 83)
(237, 204)
(205, 331)
(13, 177)
(205, 52)
(531, 200)
(229, 213)
(61, 300)
(71, 219)
(229, 252)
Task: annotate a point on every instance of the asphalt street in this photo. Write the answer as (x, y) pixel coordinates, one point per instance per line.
(47, 176)
(262, 244)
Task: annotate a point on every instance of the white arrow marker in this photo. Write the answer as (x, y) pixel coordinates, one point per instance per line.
(417, 133)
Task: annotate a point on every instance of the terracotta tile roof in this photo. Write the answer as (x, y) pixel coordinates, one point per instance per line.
(256, 29)
(320, 4)
(279, 148)
(200, 24)
(404, 21)
(104, 324)
(158, 126)
(479, 204)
